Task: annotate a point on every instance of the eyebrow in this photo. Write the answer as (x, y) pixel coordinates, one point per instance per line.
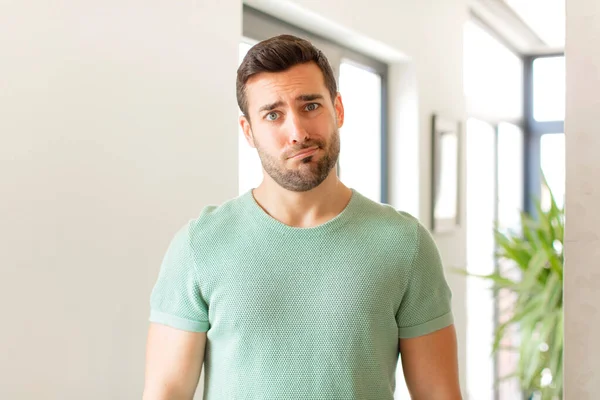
(302, 97)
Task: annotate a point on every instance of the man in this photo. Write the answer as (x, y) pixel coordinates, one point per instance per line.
(301, 288)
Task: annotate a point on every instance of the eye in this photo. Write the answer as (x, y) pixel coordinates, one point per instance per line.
(312, 106)
(272, 116)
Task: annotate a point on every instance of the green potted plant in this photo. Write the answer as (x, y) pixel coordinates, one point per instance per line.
(536, 255)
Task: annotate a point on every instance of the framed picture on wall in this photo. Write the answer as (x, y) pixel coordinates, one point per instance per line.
(445, 181)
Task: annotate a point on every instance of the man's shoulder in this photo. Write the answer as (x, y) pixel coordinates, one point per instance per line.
(386, 216)
(390, 231)
(218, 216)
(387, 224)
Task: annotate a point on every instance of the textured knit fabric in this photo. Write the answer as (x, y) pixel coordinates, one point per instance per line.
(302, 313)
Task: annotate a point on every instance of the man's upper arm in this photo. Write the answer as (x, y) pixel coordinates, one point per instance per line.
(173, 363)
(179, 322)
(176, 300)
(430, 365)
(425, 306)
(427, 338)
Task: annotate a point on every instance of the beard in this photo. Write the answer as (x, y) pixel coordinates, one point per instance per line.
(310, 173)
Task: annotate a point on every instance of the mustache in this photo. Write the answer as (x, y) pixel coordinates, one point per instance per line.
(306, 145)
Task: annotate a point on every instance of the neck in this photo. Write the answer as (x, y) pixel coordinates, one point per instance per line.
(303, 209)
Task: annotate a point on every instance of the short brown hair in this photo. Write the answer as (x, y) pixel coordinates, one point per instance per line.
(277, 54)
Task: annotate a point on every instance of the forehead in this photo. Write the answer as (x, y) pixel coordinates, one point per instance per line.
(268, 87)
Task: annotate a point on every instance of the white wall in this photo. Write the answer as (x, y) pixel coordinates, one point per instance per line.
(117, 124)
(582, 248)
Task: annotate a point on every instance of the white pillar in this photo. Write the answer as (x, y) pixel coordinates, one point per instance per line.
(582, 265)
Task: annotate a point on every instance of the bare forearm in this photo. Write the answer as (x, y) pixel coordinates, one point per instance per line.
(176, 384)
(430, 365)
(173, 363)
(167, 394)
(438, 395)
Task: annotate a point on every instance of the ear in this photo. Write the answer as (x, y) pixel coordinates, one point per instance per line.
(247, 130)
(339, 110)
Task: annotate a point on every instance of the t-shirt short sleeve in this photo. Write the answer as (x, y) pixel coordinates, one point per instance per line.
(176, 300)
(426, 304)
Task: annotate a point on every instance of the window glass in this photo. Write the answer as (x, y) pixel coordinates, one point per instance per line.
(552, 157)
(360, 137)
(510, 204)
(510, 175)
(549, 89)
(249, 166)
(493, 76)
(481, 191)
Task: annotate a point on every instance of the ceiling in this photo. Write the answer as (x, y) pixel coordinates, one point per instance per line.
(527, 26)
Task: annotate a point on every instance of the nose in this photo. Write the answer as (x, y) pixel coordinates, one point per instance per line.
(298, 133)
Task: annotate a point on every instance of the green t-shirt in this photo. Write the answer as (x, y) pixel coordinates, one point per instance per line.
(302, 313)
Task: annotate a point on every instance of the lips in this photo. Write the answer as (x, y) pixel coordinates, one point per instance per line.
(305, 152)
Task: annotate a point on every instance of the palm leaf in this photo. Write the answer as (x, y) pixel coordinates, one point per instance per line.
(537, 314)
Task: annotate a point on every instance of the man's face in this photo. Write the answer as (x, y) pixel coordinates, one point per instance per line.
(294, 125)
